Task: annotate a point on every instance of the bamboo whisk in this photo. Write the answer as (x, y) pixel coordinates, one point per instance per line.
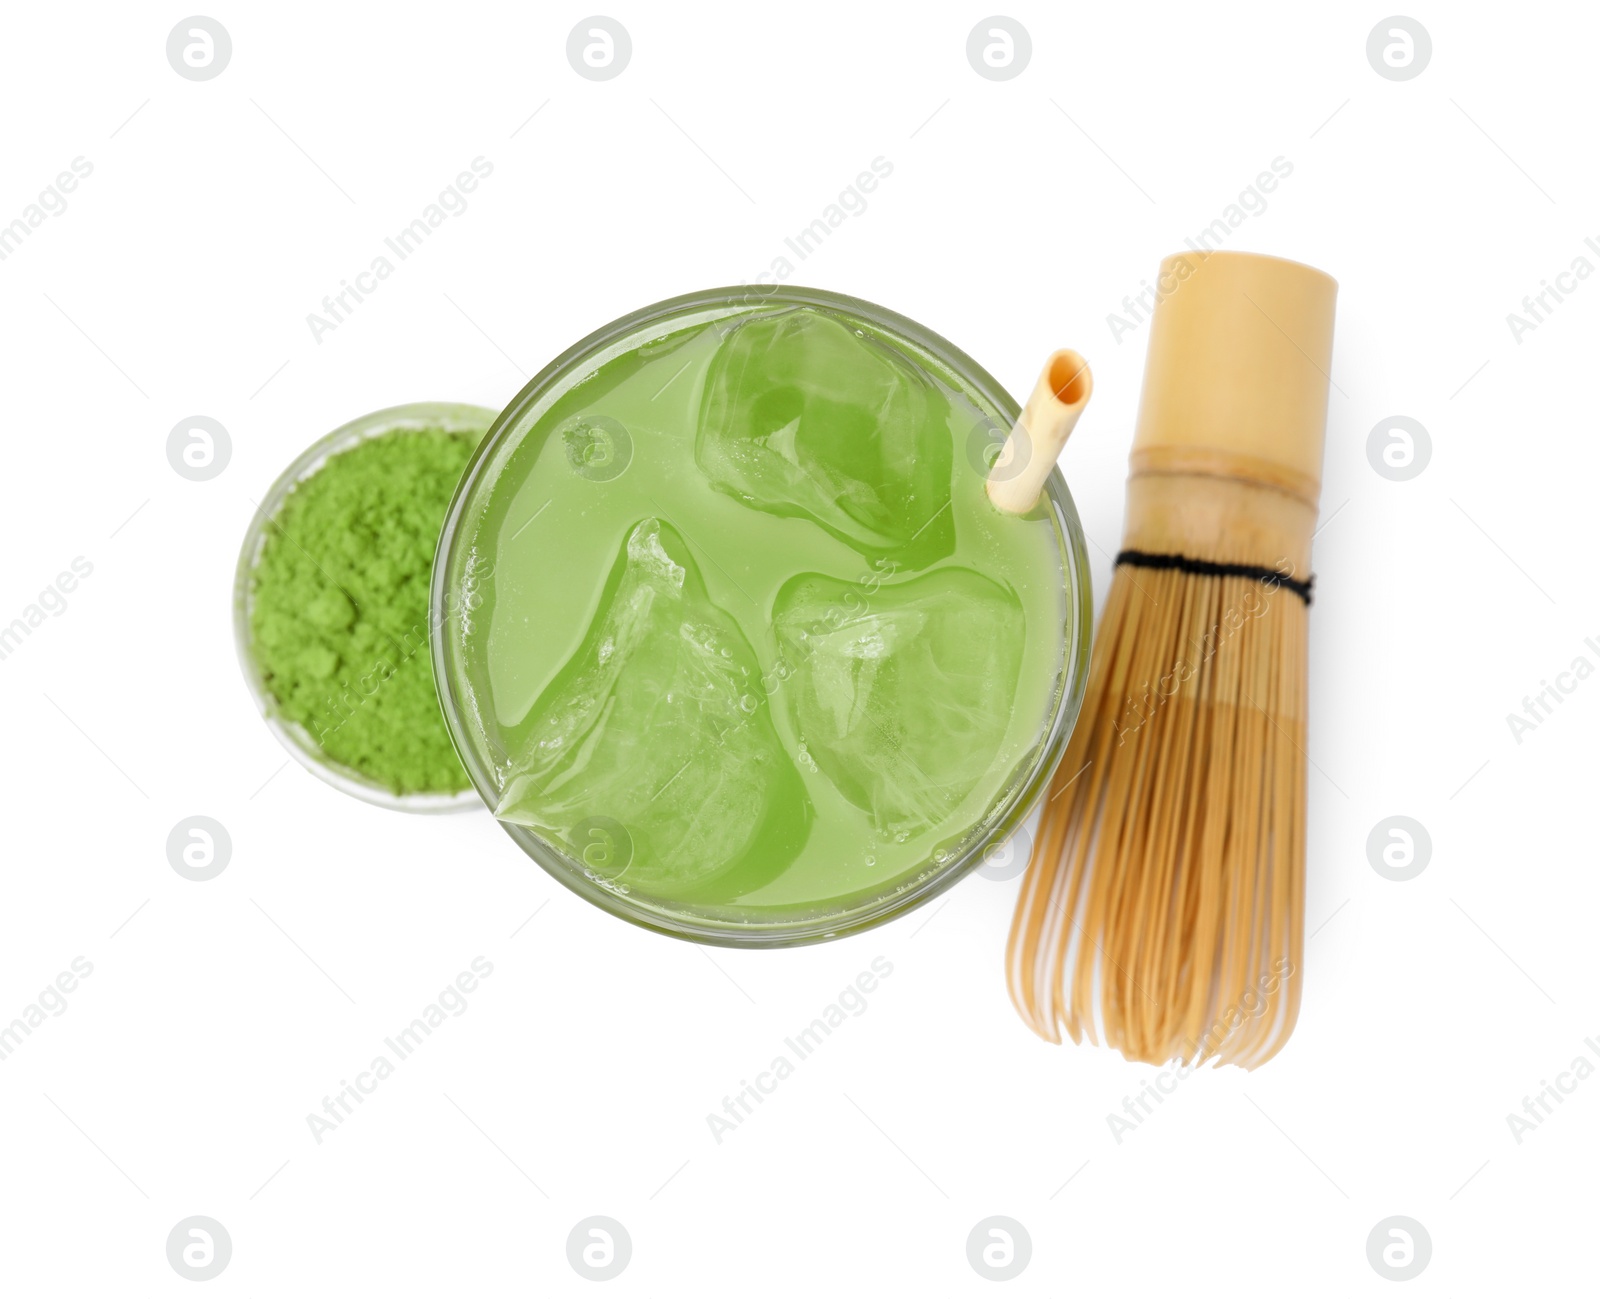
(1163, 908)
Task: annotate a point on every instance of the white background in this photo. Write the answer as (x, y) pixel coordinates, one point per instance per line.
(1018, 215)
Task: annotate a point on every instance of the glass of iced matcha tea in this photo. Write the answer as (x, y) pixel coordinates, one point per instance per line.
(728, 634)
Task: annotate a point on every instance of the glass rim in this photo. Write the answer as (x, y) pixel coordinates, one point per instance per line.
(449, 417)
(890, 902)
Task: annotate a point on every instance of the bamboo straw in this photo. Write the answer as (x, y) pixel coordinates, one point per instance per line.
(1031, 450)
(1163, 907)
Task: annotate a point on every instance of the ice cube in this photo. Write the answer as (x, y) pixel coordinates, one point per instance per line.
(901, 694)
(804, 416)
(658, 729)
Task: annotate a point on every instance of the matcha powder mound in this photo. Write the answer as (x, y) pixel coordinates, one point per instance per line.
(339, 608)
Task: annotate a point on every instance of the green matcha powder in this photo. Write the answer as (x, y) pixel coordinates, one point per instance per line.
(339, 612)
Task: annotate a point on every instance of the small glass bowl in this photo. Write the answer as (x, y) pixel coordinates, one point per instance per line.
(449, 417)
(705, 925)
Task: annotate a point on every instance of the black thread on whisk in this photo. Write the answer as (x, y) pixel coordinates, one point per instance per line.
(1208, 568)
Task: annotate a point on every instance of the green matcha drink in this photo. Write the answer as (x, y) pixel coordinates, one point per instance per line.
(730, 636)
